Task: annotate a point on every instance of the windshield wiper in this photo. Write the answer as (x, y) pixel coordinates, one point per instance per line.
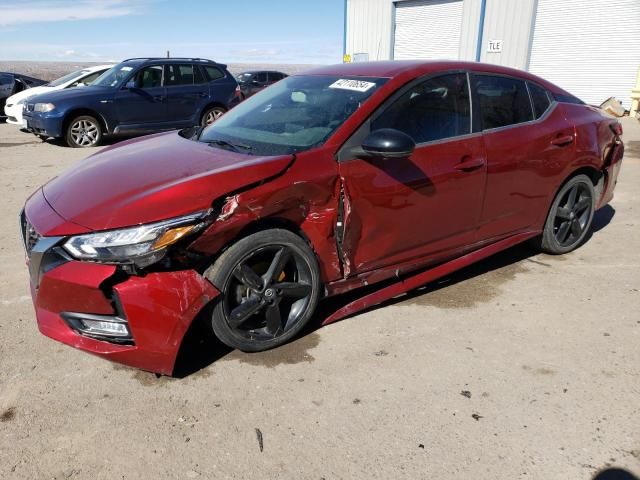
(223, 143)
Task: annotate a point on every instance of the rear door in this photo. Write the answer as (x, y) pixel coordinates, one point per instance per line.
(187, 92)
(527, 148)
(424, 206)
(143, 100)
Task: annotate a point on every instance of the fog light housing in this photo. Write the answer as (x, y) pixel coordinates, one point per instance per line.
(102, 327)
(110, 328)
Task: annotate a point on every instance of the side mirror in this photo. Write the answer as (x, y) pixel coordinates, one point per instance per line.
(255, 83)
(130, 84)
(388, 143)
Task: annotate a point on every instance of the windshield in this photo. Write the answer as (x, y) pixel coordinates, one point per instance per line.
(114, 76)
(67, 78)
(293, 115)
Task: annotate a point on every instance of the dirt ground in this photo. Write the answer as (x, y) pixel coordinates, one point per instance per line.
(523, 366)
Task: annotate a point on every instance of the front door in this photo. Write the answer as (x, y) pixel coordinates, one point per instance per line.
(424, 206)
(143, 101)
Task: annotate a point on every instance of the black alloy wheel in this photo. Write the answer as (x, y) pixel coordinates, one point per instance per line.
(570, 216)
(270, 286)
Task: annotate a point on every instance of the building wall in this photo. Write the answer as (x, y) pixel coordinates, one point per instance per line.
(370, 25)
(510, 21)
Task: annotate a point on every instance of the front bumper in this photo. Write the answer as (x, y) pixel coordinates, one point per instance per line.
(48, 124)
(14, 114)
(157, 308)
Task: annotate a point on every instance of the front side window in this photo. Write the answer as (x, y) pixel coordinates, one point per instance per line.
(260, 77)
(432, 110)
(539, 98)
(86, 80)
(295, 114)
(149, 77)
(503, 101)
(179, 75)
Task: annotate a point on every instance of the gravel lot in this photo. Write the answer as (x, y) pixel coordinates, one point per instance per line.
(523, 366)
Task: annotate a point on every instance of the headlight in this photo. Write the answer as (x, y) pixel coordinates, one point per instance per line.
(141, 245)
(43, 107)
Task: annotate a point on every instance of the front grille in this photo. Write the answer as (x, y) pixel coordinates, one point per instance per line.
(13, 119)
(29, 235)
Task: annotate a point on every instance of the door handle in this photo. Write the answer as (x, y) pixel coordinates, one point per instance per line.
(562, 140)
(204, 95)
(159, 98)
(468, 164)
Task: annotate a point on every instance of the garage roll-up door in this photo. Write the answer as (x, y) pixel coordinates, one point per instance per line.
(427, 29)
(590, 48)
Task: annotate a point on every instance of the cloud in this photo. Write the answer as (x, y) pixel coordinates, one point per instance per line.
(64, 10)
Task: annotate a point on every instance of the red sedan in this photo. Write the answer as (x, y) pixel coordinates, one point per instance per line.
(341, 177)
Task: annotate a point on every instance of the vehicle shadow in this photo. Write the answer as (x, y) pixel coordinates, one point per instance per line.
(615, 474)
(200, 348)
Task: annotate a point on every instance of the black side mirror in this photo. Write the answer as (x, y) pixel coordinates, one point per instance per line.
(388, 143)
(255, 83)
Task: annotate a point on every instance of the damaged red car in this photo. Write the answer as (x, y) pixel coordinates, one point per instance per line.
(388, 173)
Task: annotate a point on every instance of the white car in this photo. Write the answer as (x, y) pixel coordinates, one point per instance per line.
(13, 107)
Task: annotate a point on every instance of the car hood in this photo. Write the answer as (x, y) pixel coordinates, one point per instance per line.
(75, 93)
(153, 178)
(29, 92)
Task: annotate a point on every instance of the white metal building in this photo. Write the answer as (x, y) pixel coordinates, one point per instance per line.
(590, 48)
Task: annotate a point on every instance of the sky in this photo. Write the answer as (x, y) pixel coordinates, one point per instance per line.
(231, 31)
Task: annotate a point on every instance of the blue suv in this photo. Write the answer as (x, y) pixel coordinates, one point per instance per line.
(139, 95)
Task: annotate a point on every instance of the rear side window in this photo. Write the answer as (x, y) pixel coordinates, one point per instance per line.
(539, 98)
(503, 101)
(6, 79)
(179, 74)
(432, 110)
(214, 73)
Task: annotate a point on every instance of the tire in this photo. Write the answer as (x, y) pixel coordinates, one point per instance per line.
(270, 286)
(83, 132)
(570, 216)
(211, 114)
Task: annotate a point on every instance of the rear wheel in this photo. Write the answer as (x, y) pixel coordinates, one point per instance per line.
(569, 219)
(83, 131)
(270, 285)
(212, 114)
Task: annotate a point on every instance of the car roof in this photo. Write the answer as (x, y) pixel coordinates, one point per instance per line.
(394, 68)
(172, 60)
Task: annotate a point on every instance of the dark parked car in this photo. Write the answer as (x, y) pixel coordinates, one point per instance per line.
(254, 81)
(139, 95)
(388, 173)
(12, 83)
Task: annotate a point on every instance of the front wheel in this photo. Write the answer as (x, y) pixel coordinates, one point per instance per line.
(270, 286)
(569, 219)
(83, 132)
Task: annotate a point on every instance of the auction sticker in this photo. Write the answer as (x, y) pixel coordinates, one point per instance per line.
(355, 85)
